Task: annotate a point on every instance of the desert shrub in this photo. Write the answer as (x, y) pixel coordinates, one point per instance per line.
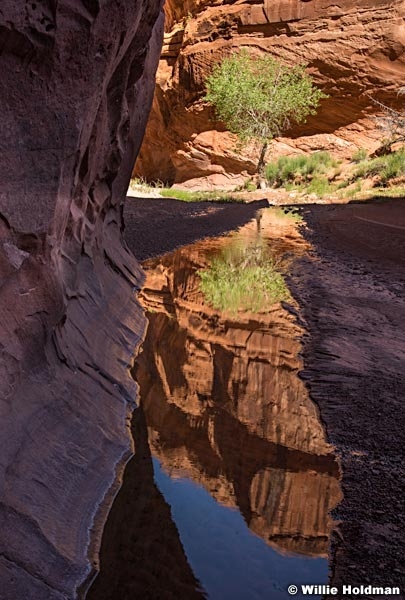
(249, 185)
(387, 167)
(394, 166)
(298, 169)
(272, 172)
(320, 186)
(243, 279)
(391, 123)
(359, 155)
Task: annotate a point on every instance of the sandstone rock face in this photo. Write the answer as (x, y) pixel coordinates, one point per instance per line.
(352, 49)
(77, 82)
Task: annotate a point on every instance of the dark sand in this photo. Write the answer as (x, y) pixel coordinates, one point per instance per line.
(351, 293)
(352, 298)
(154, 226)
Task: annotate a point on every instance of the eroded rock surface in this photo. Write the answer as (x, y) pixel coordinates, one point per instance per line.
(353, 50)
(76, 86)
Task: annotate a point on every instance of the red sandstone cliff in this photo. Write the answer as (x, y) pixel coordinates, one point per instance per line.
(77, 80)
(352, 49)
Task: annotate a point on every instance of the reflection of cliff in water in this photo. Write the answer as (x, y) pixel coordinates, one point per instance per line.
(224, 405)
(141, 555)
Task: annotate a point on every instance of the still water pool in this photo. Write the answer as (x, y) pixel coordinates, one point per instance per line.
(226, 557)
(239, 452)
(229, 494)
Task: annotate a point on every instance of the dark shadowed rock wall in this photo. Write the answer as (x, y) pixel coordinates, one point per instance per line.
(76, 83)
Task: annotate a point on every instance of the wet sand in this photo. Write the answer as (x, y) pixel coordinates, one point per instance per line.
(351, 292)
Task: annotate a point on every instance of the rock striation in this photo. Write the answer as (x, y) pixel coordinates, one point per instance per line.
(352, 49)
(76, 87)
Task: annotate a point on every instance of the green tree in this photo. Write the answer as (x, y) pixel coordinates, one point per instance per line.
(259, 97)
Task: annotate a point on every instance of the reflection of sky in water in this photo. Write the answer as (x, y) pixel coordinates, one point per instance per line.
(228, 559)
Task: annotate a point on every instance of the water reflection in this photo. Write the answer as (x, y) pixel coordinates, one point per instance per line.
(141, 554)
(244, 276)
(228, 417)
(231, 562)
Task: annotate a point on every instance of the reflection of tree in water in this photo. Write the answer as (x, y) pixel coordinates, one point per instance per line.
(221, 397)
(244, 277)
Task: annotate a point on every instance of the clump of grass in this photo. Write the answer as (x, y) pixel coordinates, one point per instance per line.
(298, 169)
(352, 191)
(359, 155)
(189, 196)
(320, 186)
(394, 192)
(250, 185)
(386, 167)
(343, 184)
(243, 279)
(141, 185)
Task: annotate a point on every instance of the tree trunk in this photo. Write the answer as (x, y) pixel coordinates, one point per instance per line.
(260, 167)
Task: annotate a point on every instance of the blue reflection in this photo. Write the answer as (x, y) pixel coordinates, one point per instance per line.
(228, 559)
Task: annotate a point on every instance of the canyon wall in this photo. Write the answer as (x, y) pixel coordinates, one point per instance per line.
(76, 87)
(353, 50)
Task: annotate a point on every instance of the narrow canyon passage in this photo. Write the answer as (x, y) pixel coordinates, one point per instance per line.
(230, 491)
(78, 80)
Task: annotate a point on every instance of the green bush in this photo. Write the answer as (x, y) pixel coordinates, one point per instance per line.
(298, 169)
(359, 155)
(387, 167)
(394, 166)
(320, 186)
(249, 185)
(272, 172)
